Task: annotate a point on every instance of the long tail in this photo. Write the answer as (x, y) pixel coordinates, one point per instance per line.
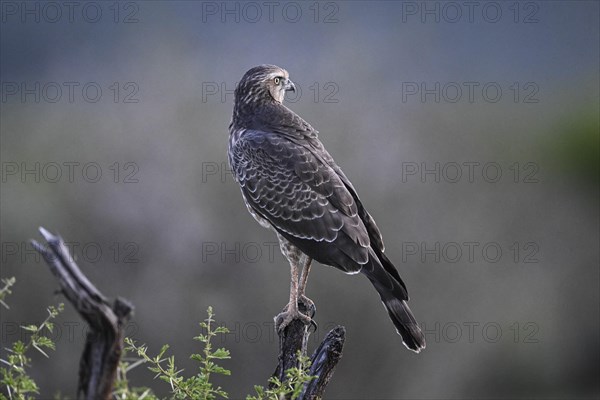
(394, 296)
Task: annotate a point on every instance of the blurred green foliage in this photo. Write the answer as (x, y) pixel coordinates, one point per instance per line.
(574, 146)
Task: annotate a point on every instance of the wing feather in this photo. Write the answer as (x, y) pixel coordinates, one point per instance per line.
(301, 197)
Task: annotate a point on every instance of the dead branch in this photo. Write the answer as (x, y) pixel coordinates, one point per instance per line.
(323, 363)
(294, 339)
(104, 342)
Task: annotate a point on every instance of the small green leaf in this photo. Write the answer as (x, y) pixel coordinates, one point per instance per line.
(43, 341)
(29, 328)
(221, 353)
(163, 350)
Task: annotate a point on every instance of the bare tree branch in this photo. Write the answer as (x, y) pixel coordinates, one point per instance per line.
(294, 339)
(323, 363)
(104, 342)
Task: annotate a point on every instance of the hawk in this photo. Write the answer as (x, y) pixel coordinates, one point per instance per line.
(291, 184)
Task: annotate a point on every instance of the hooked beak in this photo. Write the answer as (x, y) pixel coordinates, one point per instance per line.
(289, 86)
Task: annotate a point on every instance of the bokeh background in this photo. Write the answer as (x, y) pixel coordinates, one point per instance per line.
(502, 270)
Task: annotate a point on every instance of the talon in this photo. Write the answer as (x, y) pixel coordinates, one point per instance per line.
(314, 325)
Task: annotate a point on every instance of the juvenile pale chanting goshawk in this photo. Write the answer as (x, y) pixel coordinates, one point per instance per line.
(291, 184)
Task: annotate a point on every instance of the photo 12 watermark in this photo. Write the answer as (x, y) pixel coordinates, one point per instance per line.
(71, 12)
(454, 12)
(113, 252)
(316, 92)
(69, 92)
(252, 12)
(62, 332)
(236, 252)
(470, 92)
(27, 172)
(490, 332)
(470, 252)
(469, 172)
(265, 332)
(213, 171)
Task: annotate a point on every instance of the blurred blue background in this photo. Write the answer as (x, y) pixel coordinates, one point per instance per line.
(469, 130)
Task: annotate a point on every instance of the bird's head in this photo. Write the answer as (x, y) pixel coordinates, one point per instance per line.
(264, 83)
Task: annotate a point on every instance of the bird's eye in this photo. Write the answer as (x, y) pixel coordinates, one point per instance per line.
(277, 80)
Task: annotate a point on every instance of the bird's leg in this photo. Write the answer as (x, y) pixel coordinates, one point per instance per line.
(291, 311)
(296, 259)
(308, 303)
(306, 263)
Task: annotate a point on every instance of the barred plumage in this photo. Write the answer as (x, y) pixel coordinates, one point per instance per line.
(291, 184)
